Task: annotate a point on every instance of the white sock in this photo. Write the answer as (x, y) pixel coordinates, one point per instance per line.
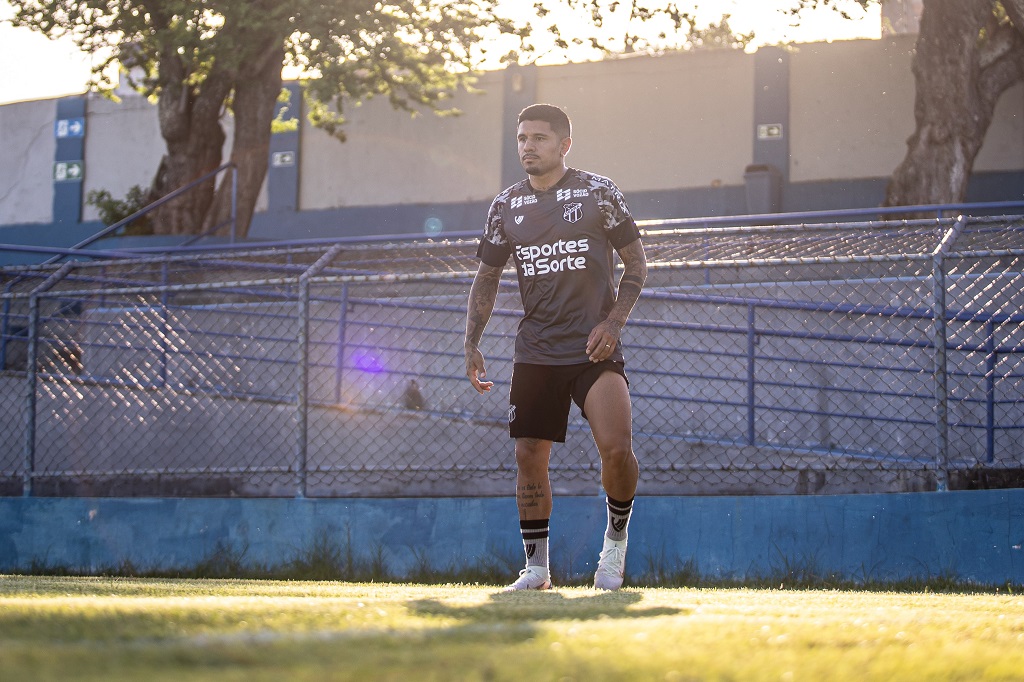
(618, 519)
(535, 543)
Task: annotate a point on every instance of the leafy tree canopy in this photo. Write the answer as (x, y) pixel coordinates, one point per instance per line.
(414, 53)
(199, 58)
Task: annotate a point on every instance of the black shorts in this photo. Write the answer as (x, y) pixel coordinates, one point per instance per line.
(540, 395)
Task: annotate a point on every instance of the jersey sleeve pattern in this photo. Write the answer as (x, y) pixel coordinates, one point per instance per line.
(494, 248)
(618, 221)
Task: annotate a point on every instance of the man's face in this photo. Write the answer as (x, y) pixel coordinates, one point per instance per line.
(540, 148)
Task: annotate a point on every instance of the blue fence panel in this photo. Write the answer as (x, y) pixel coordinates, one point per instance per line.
(791, 358)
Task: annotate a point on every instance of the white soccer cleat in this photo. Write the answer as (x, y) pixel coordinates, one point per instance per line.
(530, 578)
(611, 567)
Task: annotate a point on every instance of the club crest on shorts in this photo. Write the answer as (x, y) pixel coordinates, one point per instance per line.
(572, 213)
(511, 413)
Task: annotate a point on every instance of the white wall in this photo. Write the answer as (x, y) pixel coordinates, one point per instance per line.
(391, 157)
(26, 172)
(679, 121)
(851, 108)
(123, 147)
(654, 123)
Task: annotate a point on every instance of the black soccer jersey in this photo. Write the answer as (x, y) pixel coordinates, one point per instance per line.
(563, 242)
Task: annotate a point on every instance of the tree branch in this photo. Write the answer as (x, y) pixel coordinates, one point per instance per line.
(1000, 60)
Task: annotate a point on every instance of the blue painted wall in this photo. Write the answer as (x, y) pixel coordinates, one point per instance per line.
(972, 535)
(285, 146)
(59, 235)
(444, 219)
(283, 218)
(70, 149)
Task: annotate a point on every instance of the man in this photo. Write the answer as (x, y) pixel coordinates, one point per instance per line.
(562, 226)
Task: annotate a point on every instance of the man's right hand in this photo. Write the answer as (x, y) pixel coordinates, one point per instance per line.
(476, 372)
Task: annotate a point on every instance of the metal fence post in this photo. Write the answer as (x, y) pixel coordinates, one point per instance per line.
(707, 257)
(4, 330)
(940, 371)
(165, 321)
(234, 202)
(939, 374)
(31, 372)
(751, 375)
(991, 358)
(339, 362)
(302, 397)
(29, 460)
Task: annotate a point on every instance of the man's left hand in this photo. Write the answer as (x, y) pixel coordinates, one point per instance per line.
(603, 340)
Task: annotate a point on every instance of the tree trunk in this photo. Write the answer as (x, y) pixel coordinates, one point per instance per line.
(256, 91)
(959, 73)
(190, 125)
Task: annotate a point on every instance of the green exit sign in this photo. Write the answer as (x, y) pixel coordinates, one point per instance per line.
(68, 171)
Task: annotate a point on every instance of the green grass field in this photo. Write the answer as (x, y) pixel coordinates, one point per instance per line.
(149, 629)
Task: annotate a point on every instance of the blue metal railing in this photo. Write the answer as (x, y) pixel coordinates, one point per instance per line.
(344, 350)
(653, 226)
(161, 331)
(81, 246)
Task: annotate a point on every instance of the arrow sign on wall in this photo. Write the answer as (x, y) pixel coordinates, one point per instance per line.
(282, 159)
(69, 127)
(68, 171)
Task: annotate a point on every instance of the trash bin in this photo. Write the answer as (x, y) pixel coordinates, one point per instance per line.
(764, 188)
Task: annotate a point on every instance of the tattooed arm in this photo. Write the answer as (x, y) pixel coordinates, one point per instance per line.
(481, 303)
(605, 336)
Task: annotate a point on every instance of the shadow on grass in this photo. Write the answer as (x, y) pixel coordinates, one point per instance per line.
(534, 606)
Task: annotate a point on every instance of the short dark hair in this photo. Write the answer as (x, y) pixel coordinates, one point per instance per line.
(555, 117)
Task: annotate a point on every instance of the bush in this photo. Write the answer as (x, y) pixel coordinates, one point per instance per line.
(113, 210)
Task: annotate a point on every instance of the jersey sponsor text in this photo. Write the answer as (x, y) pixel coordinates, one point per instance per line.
(561, 256)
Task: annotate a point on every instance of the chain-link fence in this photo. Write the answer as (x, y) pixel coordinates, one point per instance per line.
(882, 356)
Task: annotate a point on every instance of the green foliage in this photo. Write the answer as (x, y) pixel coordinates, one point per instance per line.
(113, 210)
(324, 559)
(412, 52)
(282, 123)
(802, 5)
(718, 35)
(415, 53)
(225, 561)
(197, 60)
(714, 35)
